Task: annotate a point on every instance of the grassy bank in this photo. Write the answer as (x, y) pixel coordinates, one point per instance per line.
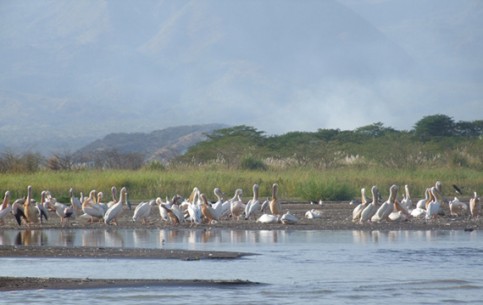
(297, 184)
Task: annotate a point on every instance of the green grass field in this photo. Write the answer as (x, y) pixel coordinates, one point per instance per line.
(294, 184)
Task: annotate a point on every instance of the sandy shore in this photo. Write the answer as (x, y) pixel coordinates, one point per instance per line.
(335, 216)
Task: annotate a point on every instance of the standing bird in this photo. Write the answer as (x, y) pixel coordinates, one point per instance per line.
(406, 202)
(253, 205)
(371, 208)
(5, 208)
(434, 206)
(114, 197)
(42, 207)
(208, 212)
(29, 208)
(115, 210)
(143, 210)
(475, 206)
(74, 201)
(274, 205)
(356, 213)
(17, 211)
(64, 211)
(237, 207)
(387, 207)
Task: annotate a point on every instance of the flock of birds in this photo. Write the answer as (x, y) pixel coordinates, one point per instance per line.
(428, 208)
(195, 209)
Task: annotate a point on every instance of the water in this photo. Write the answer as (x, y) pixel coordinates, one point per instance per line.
(310, 267)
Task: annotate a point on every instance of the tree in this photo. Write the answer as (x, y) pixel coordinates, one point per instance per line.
(438, 125)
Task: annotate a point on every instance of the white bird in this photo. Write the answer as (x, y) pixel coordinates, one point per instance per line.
(74, 201)
(275, 206)
(208, 212)
(423, 202)
(356, 213)
(5, 208)
(42, 207)
(253, 205)
(406, 202)
(288, 218)
(475, 205)
(173, 211)
(313, 213)
(371, 207)
(113, 197)
(268, 218)
(115, 210)
(143, 210)
(434, 206)
(29, 208)
(237, 207)
(91, 208)
(457, 207)
(387, 207)
(193, 206)
(63, 211)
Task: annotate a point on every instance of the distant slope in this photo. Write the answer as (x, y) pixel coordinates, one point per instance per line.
(161, 145)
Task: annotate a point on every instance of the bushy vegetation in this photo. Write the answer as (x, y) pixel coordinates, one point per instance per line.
(329, 164)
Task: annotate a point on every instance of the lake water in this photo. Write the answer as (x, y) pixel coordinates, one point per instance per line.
(298, 267)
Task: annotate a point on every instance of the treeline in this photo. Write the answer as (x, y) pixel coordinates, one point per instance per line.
(435, 141)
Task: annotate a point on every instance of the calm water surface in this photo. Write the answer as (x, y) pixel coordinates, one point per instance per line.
(313, 267)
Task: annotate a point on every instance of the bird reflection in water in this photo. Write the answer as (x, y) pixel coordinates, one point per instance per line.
(31, 238)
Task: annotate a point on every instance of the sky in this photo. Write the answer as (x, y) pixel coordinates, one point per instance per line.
(72, 72)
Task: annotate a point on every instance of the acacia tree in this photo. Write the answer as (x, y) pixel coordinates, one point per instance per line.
(438, 125)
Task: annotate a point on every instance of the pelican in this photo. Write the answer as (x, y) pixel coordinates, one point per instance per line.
(42, 207)
(406, 202)
(91, 208)
(312, 214)
(193, 206)
(63, 211)
(237, 207)
(5, 208)
(29, 208)
(115, 210)
(17, 211)
(434, 206)
(175, 215)
(387, 207)
(356, 213)
(275, 207)
(113, 197)
(288, 218)
(253, 205)
(457, 207)
(162, 211)
(475, 206)
(74, 201)
(143, 210)
(208, 212)
(421, 204)
(371, 207)
(268, 218)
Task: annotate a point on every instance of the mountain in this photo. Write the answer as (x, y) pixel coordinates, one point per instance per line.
(161, 145)
(74, 71)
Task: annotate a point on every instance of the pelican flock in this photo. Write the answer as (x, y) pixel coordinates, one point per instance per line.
(196, 209)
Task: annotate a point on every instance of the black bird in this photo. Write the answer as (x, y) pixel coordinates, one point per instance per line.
(457, 189)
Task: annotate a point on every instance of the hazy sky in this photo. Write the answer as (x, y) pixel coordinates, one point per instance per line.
(77, 70)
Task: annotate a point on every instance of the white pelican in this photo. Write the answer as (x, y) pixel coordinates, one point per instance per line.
(387, 207)
(17, 211)
(173, 211)
(268, 218)
(275, 207)
(371, 207)
(163, 213)
(114, 197)
(101, 204)
(356, 213)
(253, 205)
(29, 208)
(421, 204)
(42, 207)
(434, 206)
(475, 206)
(265, 205)
(5, 208)
(91, 208)
(312, 214)
(208, 212)
(193, 208)
(63, 211)
(406, 202)
(74, 201)
(143, 210)
(237, 207)
(457, 207)
(115, 210)
(288, 218)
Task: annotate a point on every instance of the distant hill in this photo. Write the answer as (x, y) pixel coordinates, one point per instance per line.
(161, 145)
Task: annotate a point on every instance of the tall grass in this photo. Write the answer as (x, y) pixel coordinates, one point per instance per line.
(294, 184)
